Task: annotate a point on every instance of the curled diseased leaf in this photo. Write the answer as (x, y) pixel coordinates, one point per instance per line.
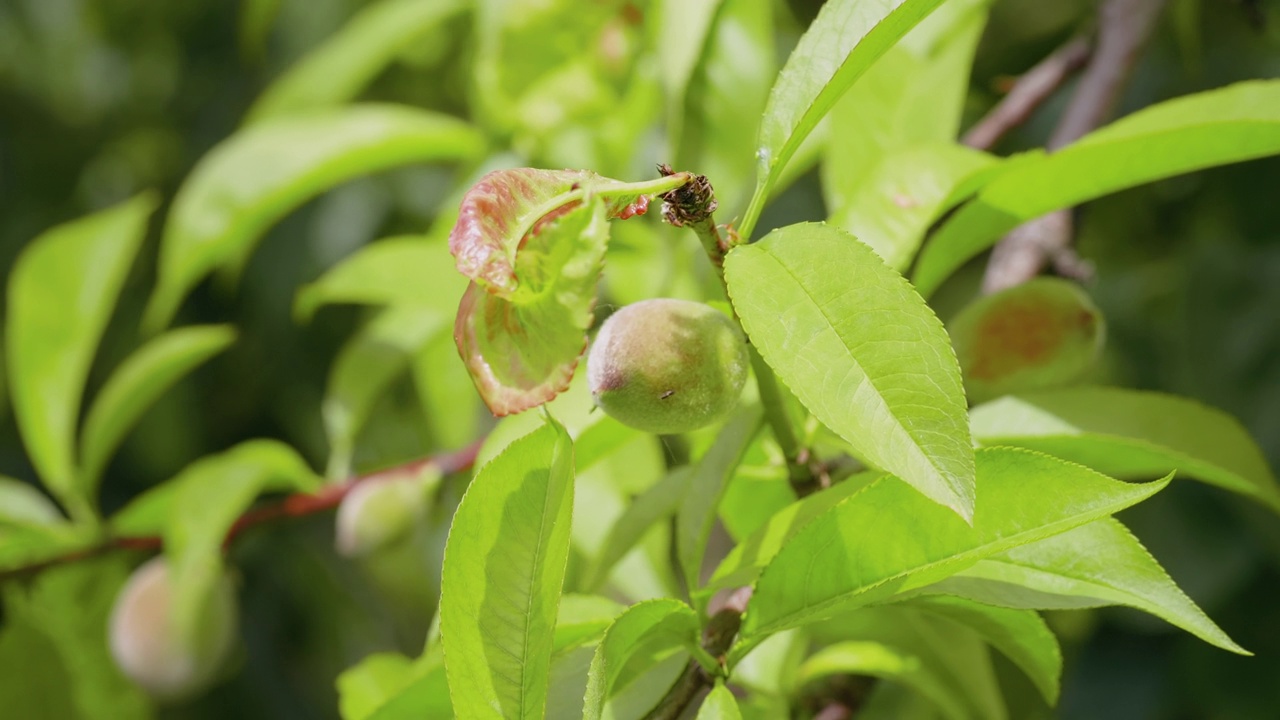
(506, 208)
(532, 242)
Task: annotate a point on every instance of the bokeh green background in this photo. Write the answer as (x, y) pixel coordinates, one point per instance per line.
(100, 99)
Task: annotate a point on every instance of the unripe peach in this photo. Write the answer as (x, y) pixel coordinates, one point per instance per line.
(381, 510)
(667, 366)
(145, 646)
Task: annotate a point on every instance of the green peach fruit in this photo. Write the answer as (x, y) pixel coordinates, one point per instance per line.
(1039, 334)
(667, 366)
(147, 650)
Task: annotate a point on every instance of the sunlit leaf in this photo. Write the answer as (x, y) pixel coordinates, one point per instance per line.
(707, 483)
(943, 660)
(644, 634)
(141, 379)
(1041, 333)
(583, 620)
(912, 96)
(1132, 434)
(22, 503)
(1097, 564)
(719, 704)
(209, 495)
(395, 271)
(861, 350)
(1021, 635)
(23, 544)
(369, 684)
(900, 196)
(1216, 127)
(260, 174)
(714, 126)
(339, 69)
(846, 38)
(504, 566)
(363, 370)
(658, 502)
(743, 564)
(62, 290)
(878, 660)
(887, 540)
(53, 646)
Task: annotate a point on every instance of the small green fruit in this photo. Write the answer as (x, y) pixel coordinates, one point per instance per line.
(148, 651)
(380, 511)
(667, 366)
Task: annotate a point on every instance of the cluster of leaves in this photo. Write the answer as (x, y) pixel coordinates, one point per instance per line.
(580, 569)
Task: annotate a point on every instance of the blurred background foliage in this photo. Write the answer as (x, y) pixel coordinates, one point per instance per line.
(101, 99)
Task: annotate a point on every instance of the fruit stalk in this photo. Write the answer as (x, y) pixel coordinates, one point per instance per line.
(692, 205)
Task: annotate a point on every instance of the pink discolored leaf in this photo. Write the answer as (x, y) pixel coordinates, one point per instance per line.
(503, 209)
(532, 242)
(522, 347)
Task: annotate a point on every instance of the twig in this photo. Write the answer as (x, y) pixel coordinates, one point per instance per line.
(716, 640)
(692, 205)
(1030, 91)
(294, 505)
(1123, 30)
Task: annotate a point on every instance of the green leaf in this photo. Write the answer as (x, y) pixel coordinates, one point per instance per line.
(142, 378)
(365, 368)
(257, 176)
(846, 38)
(397, 271)
(147, 513)
(504, 566)
(887, 540)
(582, 620)
(1231, 124)
(25, 544)
(339, 69)
(713, 128)
(853, 341)
(1132, 434)
(720, 704)
(940, 658)
(1097, 564)
(54, 646)
(1021, 635)
(445, 393)
(900, 196)
(387, 686)
(658, 502)
(743, 564)
(911, 98)
(707, 483)
(879, 660)
(62, 290)
(210, 494)
(646, 633)
(1042, 333)
(22, 503)
(682, 37)
(368, 685)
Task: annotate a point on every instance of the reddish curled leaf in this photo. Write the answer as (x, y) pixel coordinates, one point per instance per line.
(501, 211)
(532, 242)
(496, 215)
(522, 348)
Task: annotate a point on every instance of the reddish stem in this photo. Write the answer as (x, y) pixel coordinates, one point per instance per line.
(294, 505)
